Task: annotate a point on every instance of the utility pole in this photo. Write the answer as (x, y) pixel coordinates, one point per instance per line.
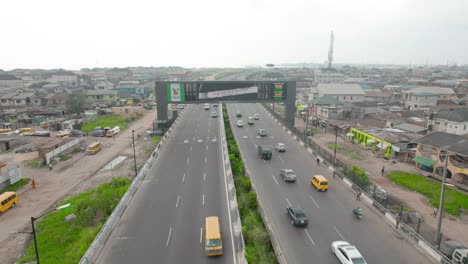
(441, 203)
(336, 142)
(306, 124)
(134, 153)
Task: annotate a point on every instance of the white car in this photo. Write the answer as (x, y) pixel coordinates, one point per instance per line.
(280, 147)
(256, 116)
(206, 107)
(116, 129)
(347, 253)
(250, 120)
(240, 123)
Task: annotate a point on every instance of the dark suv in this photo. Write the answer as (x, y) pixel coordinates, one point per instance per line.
(297, 215)
(264, 152)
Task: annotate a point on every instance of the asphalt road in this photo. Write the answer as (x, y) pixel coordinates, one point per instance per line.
(330, 213)
(164, 223)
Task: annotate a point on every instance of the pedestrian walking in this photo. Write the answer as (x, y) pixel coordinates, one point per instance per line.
(113, 137)
(397, 221)
(383, 171)
(334, 173)
(358, 196)
(434, 213)
(318, 161)
(50, 166)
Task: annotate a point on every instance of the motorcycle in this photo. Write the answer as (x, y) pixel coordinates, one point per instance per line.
(358, 212)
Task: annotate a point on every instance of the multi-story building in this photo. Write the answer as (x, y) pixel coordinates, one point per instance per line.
(101, 96)
(10, 81)
(325, 108)
(452, 121)
(127, 89)
(343, 92)
(328, 77)
(426, 97)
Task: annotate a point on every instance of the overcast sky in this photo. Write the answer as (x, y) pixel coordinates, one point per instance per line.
(221, 33)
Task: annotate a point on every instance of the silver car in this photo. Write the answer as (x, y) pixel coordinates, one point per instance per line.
(288, 175)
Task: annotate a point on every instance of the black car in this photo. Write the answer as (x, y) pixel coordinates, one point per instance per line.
(238, 114)
(297, 215)
(288, 175)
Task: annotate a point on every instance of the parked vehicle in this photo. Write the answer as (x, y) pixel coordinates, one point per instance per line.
(99, 133)
(298, 216)
(26, 130)
(116, 129)
(93, 148)
(63, 133)
(6, 130)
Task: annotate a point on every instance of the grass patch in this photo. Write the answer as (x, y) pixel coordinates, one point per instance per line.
(107, 121)
(65, 157)
(16, 186)
(37, 163)
(61, 242)
(155, 139)
(453, 200)
(258, 248)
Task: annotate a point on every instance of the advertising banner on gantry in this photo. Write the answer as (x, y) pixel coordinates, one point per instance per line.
(175, 92)
(226, 93)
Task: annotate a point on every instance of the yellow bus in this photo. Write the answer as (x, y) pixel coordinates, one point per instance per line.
(6, 130)
(213, 240)
(7, 201)
(26, 130)
(93, 148)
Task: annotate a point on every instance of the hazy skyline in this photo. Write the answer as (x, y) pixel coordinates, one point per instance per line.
(212, 33)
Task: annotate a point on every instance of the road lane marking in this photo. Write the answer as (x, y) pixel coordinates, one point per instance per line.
(169, 237)
(204, 176)
(288, 202)
(203, 199)
(282, 160)
(314, 201)
(201, 234)
(336, 229)
(206, 160)
(274, 178)
(186, 141)
(188, 160)
(309, 236)
(178, 198)
(183, 178)
(206, 147)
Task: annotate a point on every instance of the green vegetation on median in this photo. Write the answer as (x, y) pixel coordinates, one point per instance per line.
(258, 248)
(61, 242)
(453, 200)
(106, 121)
(16, 186)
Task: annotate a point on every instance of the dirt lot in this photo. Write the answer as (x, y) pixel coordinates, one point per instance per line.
(73, 176)
(354, 154)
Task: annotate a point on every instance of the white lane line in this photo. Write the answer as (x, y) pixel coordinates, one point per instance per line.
(288, 202)
(206, 147)
(206, 160)
(282, 160)
(274, 178)
(169, 237)
(203, 199)
(336, 229)
(183, 178)
(314, 201)
(178, 198)
(309, 236)
(201, 234)
(204, 176)
(188, 160)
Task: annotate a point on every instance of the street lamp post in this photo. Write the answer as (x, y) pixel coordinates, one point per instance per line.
(134, 153)
(441, 202)
(336, 142)
(33, 219)
(306, 124)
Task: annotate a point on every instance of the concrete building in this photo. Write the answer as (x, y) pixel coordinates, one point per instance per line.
(328, 77)
(101, 96)
(452, 121)
(63, 76)
(325, 108)
(128, 89)
(104, 86)
(426, 97)
(10, 82)
(343, 92)
(119, 74)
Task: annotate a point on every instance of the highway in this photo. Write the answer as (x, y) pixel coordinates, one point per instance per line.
(164, 222)
(330, 213)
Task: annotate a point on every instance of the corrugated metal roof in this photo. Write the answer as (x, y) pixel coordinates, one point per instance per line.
(339, 89)
(450, 142)
(456, 115)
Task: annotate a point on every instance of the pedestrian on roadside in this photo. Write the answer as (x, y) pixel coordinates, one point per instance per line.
(113, 137)
(397, 221)
(434, 213)
(334, 173)
(358, 196)
(318, 161)
(50, 166)
(383, 171)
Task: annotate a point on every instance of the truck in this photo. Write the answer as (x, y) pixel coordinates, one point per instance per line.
(456, 252)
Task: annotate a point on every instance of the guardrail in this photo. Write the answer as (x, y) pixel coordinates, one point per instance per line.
(236, 220)
(101, 238)
(404, 230)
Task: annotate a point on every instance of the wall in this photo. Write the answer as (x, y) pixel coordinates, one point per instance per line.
(450, 127)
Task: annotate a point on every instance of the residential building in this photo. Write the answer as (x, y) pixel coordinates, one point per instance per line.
(119, 74)
(452, 121)
(104, 86)
(101, 96)
(326, 107)
(343, 92)
(128, 89)
(431, 152)
(10, 81)
(426, 97)
(417, 82)
(63, 76)
(328, 77)
(128, 111)
(379, 96)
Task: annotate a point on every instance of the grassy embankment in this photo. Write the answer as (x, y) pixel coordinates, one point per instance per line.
(61, 242)
(258, 248)
(453, 200)
(106, 121)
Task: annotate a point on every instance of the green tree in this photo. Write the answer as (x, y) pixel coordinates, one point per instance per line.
(75, 103)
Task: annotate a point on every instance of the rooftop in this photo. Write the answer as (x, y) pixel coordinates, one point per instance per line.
(327, 100)
(456, 115)
(450, 142)
(339, 89)
(392, 135)
(411, 128)
(431, 89)
(8, 77)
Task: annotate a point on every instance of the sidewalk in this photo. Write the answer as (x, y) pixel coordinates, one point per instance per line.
(453, 229)
(53, 186)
